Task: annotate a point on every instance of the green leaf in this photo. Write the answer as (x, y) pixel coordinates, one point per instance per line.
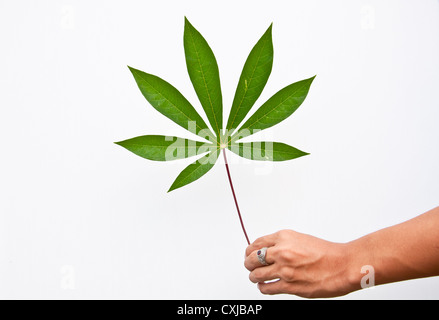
(279, 107)
(164, 148)
(204, 74)
(195, 170)
(171, 103)
(266, 151)
(254, 76)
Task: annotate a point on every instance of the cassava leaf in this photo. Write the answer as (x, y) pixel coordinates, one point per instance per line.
(266, 151)
(254, 76)
(204, 74)
(171, 103)
(164, 148)
(195, 170)
(279, 107)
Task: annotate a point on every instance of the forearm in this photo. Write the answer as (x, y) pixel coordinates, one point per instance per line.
(311, 267)
(405, 251)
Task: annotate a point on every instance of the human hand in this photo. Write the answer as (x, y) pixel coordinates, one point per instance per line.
(302, 264)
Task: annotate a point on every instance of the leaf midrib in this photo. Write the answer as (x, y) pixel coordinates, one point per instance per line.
(248, 84)
(205, 84)
(162, 146)
(273, 109)
(251, 147)
(182, 112)
(196, 169)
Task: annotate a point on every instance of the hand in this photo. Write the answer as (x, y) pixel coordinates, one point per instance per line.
(303, 265)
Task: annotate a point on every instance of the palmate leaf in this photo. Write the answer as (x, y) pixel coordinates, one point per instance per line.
(254, 76)
(279, 107)
(196, 170)
(171, 103)
(204, 74)
(266, 151)
(164, 148)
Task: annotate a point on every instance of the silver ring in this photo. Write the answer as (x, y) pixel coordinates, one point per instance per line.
(261, 256)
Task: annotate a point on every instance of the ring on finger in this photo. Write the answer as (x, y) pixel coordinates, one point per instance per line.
(262, 253)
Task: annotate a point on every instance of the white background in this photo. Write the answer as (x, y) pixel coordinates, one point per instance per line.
(81, 217)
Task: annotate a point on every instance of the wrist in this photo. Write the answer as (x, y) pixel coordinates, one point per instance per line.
(345, 269)
(359, 272)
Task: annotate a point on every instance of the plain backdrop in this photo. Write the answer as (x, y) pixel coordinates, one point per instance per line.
(81, 218)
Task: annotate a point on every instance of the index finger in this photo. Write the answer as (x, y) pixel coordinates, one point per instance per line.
(265, 241)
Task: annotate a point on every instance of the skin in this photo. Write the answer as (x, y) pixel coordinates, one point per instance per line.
(310, 267)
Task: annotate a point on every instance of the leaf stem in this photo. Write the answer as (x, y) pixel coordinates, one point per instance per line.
(234, 196)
